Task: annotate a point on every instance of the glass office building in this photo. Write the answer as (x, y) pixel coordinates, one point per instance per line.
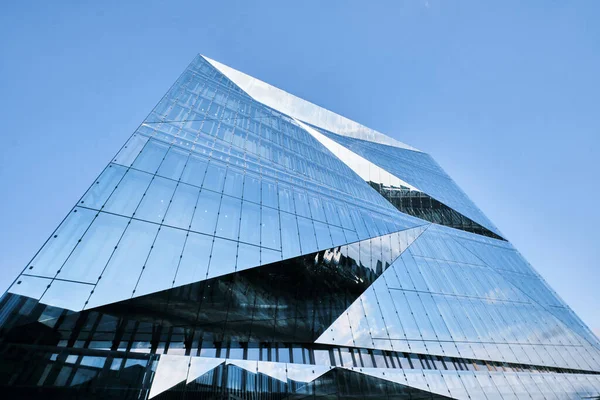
(247, 244)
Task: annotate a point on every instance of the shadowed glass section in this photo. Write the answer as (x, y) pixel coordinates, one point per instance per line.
(29, 372)
(59, 372)
(292, 300)
(421, 205)
(419, 170)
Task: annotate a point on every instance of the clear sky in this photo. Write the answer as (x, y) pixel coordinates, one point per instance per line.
(505, 95)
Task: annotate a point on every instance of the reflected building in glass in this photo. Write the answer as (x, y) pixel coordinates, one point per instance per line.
(247, 244)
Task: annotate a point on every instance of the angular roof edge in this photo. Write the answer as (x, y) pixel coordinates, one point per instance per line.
(303, 110)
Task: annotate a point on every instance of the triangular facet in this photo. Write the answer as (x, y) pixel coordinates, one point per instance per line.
(201, 365)
(170, 371)
(366, 309)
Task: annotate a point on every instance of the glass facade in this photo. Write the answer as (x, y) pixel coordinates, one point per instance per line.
(245, 243)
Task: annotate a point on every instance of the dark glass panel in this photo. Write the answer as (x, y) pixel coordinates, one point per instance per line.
(421, 205)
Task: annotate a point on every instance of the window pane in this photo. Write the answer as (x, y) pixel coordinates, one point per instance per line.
(331, 212)
(234, 183)
(345, 219)
(162, 263)
(301, 202)
(415, 274)
(100, 191)
(222, 259)
(126, 197)
(337, 235)
(156, 200)
(290, 246)
(194, 263)
(69, 295)
(351, 236)
(181, 210)
(248, 256)
(322, 357)
(323, 236)
(151, 157)
(56, 250)
(316, 208)
(308, 241)
(270, 235)
(268, 256)
(30, 286)
(215, 176)
(131, 150)
(404, 312)
(125, 266)
(388, 310)
(194, 171)
(420, 314)
(286, 201)
(252, 188)
(359, 224)
(172, 166)
(250, 223)
(91, 254)
(207, 209)
(239, 138)
(269, 193)
(360, 327)
(228, 225)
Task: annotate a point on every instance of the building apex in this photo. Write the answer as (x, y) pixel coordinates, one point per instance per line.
(303, 110)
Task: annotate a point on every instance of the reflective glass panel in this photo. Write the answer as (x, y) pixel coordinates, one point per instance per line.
(156, 200)
(151, 157)
(125, 199)
(122, 272)
(206, 213)
(270, 234)
(308, 241)
(106, 183)
(194, 261)
(223, 257)
(60, 245)
(162, 262)
(173, 164)
(228, 225)
(90, 256)
(182, 206)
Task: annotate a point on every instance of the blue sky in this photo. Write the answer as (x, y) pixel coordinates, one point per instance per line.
(505, 95)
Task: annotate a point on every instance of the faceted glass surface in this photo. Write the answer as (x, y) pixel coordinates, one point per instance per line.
(246, 243)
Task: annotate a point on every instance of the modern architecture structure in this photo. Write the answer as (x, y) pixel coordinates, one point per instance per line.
(247, 244)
